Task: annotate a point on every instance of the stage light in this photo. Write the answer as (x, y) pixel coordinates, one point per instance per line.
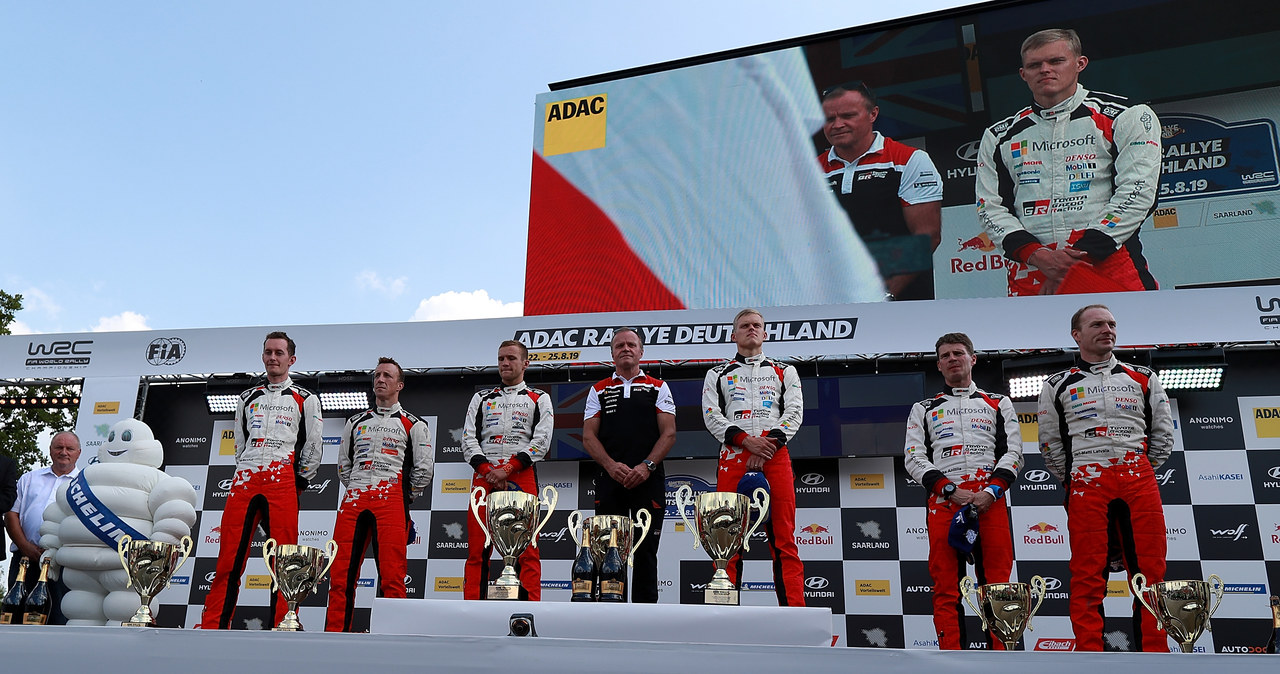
(1022, 388)
(344, 401)
(37, 402)
(1190, 369)
(1026, 375)
(221, 403)
(222, 392)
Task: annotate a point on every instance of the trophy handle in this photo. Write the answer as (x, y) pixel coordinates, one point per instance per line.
(330, 550)
(186, 545)
(124, 541)
(644, 521)
(476, 495)
(575, 522)
(966, 589)
(549, 498)
(1138, 583)
(1039, 587)
(683, 493)
(268, 552)
(1215, 584)
(759, 501)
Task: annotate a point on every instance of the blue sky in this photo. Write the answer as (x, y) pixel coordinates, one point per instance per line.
(177, 165)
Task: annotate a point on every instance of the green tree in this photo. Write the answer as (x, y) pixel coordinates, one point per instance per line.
(20, 427)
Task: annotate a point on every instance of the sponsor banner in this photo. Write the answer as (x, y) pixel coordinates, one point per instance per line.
(1228, 532)
(917, 591)
(875, 631)
(1208, 157)
(1039, 532)
(1236, 635)
(1269, 530)
(872, 587)
(555, 541)
(919, 632)
(1245, 589)
(913, 533)
(817, 533)
(1173, 481)
(909, 493)
(824, 584)
(1210, 420)
(103, 402)
(1180, 533)
(1260, 419)
(872, 481)
(222, 445)
(448, 535)
(322, 492)
(1057, 579)
(451, 486)
(1219, 477)
(1035, 485)
(870, 533)
(1223, 315)
(1264, 472)
(817, 483)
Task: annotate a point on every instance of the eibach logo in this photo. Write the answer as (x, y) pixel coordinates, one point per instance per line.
(1055, 645)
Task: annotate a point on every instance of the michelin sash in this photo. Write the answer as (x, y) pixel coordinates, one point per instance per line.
(97, 517)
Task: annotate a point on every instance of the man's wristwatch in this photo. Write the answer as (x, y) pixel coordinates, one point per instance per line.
(948, 490)
(650, 465)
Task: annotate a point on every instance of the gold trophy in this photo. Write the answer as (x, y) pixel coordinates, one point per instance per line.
(296, 571)
(598, 528)
(1181, 607)
(512, 525)
(722, 519)
(1005, 607)
(150, 565)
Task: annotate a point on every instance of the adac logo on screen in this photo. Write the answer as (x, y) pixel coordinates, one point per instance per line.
(575, 124)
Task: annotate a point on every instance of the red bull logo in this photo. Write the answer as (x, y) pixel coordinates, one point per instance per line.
(1043, 533)
(814, 534)
(981, 242)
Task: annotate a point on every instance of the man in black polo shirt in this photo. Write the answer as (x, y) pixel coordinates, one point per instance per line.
(628, 427)
(890, 190)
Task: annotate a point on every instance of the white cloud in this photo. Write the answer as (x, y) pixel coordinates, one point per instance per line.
(121, 322)
(453, 305)
(19, 328)
(369, 280)
(35, 299)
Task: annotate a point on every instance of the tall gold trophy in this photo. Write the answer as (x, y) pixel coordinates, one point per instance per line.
(1005, 608)
(296, 570)
(720, 523)
(150, 565)
(1181, 607)
(510, 525)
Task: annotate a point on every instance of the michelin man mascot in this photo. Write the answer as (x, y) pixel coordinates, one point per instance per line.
(124, 492)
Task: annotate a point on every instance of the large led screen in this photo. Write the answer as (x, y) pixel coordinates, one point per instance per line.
(704, 185)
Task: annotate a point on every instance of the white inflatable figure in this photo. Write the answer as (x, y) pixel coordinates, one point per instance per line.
(124, 492)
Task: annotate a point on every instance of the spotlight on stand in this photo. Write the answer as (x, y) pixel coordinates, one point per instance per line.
(222, 391)
(349, 391)
(1190, 369)
(1026, 375)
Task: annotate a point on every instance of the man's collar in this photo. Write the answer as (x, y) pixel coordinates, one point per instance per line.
(1064, 107)
(281, 386)
(617, 376)
(877, 144)
(388, 411)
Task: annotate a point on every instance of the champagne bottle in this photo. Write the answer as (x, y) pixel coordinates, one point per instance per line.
(11, 605)
(613, 573)
(584, 572)
(1275, 623)
(38, 604)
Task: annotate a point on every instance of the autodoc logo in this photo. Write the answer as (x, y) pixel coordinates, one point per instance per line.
(166, 351)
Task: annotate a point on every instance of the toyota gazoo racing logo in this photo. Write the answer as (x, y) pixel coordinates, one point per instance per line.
(1036, 476)
(816, 582)
(812, 479)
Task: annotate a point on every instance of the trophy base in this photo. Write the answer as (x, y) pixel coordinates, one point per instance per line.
(504, 592)
(287, 629)
(135, 623)
(720, 597)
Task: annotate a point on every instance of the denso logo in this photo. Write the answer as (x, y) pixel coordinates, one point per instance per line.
(812, 479)
(816, 582)
(1036, 476)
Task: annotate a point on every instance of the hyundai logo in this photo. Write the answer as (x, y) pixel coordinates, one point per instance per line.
(1274, 472)
(208, 577)
(969, 151)
(225, 484)
(816, 582)
(812, 479)
(1036, 475)
(1051, 583)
